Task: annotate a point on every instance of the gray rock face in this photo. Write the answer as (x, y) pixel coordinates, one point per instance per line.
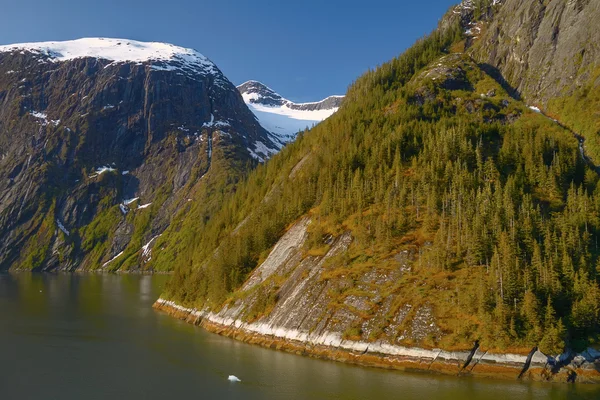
(264, 94)
(305, 304)
(80, 136)
(544, 49)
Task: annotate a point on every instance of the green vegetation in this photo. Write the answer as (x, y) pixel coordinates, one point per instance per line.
(495, 200)
(580, 111)
(37, 247)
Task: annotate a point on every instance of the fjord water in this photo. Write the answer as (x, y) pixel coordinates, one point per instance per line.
(97, 337)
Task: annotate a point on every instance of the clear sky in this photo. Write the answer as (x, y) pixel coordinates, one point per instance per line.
(303, 49)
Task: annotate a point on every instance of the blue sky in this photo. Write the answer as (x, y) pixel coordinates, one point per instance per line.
(304, 49)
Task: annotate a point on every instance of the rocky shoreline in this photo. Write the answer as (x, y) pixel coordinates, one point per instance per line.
(536, 366)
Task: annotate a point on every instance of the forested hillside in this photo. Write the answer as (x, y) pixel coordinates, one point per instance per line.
(489, 209)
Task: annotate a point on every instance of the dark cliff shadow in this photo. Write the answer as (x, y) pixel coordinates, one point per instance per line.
(557, 366)
(527, 362)
(470, 356)
(498, 77)
(131, 185)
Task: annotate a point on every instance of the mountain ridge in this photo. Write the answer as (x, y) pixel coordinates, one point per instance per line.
(101, 148)
(272, 98)
(282, 117)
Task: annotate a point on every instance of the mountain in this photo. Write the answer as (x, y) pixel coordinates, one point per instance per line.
(547, 52)
(103, 141)
(282, 117)
(445, 219)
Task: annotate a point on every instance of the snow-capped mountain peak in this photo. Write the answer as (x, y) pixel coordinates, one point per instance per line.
(255, 92)
(282, 117)
(166, 56)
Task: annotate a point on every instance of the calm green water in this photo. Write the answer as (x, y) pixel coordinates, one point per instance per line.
(97, 337)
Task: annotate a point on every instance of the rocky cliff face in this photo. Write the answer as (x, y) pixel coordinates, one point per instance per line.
(545, 52)
(102, 140)
(545, 49)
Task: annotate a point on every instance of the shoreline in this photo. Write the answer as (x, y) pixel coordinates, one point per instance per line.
(477, 363)
(83, 272)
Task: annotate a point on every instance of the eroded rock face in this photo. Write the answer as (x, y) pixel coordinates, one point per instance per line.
(544, 49)
(80, 136)
(306, 302)
(371, 328)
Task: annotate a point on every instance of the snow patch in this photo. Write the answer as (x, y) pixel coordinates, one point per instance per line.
(284, 121)
(39, 115)
(112, 259)
(216, 124)
(101, 170)
(62, 227)
(261, 151)
(535, 109)
(146, 248)
(44, 118)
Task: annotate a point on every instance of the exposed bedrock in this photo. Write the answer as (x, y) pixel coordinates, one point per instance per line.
(301, 317)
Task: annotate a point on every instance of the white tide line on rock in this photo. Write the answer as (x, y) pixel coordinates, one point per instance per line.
(335, 340)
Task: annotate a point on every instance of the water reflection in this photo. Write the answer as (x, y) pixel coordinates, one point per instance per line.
(96, 336)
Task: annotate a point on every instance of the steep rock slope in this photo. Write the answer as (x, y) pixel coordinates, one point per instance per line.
(102, 140)
(544, 49)
(434, 210)
(282, 117)
(548, 52)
